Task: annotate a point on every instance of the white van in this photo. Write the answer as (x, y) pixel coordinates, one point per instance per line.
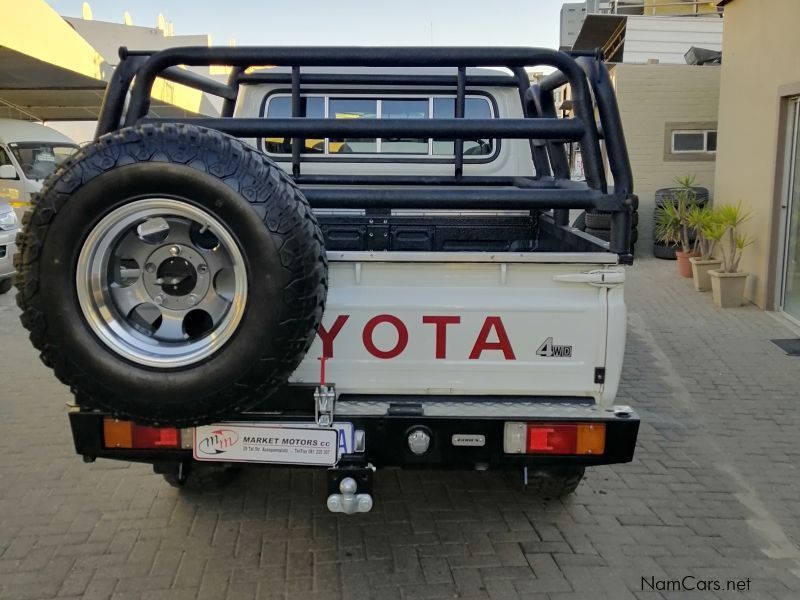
(29, 152)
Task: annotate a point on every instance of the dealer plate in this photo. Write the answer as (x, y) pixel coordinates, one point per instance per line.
(275, 443)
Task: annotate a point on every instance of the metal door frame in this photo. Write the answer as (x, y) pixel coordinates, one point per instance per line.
(792, 177)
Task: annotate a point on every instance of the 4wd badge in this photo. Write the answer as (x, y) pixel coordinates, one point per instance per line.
(548, 348)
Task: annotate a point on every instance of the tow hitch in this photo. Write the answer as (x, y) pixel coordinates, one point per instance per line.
(350, 489)
(349, 483)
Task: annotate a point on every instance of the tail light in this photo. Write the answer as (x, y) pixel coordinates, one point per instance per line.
(554, 438)
(124, 434)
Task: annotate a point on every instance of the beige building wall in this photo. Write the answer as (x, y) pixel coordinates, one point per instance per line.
(652, 99)
(760, 71)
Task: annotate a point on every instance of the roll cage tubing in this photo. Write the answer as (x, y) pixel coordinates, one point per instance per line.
(549, 188)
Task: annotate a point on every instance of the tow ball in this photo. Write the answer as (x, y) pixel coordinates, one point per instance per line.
(350, 489)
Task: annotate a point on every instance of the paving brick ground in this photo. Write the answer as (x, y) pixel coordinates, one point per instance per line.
(713, 493)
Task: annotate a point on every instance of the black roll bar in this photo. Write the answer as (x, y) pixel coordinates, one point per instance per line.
(594, 107)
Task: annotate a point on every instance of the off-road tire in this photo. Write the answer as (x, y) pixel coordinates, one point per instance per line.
(267, 215)
(554, 482)
(598, 220)
(6, 285)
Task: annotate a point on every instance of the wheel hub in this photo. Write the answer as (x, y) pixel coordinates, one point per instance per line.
(161, 282)
(176, 276)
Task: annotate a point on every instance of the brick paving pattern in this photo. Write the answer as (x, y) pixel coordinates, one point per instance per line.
(713, 493)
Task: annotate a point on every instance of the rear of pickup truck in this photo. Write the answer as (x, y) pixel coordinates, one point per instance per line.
(457, 361)
(365, 262)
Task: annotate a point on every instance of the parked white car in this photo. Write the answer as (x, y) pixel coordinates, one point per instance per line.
(9, 226)
(29, 152)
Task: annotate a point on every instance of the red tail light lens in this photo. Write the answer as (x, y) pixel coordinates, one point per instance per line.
(156, 437)
(554, 438)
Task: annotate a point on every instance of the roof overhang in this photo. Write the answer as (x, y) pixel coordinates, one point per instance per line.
(603, 31)
(48, 72)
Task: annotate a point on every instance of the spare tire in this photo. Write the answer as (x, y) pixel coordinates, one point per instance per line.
(171, 275)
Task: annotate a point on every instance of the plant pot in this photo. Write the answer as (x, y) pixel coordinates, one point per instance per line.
(684, 266)
(700, 269)
(727, 288)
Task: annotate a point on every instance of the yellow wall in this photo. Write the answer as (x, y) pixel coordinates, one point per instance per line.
(649, 97)
(761, 55)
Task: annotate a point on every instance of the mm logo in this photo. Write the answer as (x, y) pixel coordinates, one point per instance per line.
(218, 441)
(549, 349)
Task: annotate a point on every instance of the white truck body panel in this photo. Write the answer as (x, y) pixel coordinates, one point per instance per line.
(507, 307)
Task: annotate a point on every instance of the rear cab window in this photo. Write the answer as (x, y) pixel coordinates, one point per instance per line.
(380, 106)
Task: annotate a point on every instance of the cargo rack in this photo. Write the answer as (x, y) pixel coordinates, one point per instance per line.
(596, 117)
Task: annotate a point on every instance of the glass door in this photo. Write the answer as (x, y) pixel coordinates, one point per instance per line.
(791, 259)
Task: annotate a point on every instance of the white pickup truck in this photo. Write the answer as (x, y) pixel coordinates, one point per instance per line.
(365, 262)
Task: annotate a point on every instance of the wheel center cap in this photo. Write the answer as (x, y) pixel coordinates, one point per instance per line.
(177, 276)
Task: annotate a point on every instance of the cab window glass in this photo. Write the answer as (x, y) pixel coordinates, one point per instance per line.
(474, 108)
(404, 109)
(280, 107)
(383, 107)
(352, 108)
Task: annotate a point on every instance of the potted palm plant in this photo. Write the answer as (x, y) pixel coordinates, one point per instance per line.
(672, 223)
(707, 229)
(727, 283)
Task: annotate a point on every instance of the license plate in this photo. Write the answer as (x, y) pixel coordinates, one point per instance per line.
(275, 443)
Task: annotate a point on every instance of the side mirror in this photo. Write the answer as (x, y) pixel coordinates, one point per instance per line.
(8, 172)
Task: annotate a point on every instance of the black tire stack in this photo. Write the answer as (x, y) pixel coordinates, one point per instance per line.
(662, 197)
(598, 224)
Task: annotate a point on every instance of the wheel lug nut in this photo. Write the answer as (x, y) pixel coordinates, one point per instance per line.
(202, 269)
(192, 300)
(149, 267)
(174, 250)
(159, 299)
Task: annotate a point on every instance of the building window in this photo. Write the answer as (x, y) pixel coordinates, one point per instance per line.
(694, 141)
(690, 141)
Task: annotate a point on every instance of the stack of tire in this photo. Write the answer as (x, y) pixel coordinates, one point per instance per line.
(598, 224)
(662, 197)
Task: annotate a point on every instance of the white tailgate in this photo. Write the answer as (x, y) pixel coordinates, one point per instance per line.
(507, 308)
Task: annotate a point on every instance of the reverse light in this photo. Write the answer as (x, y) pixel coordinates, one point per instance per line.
(554, 438)
(124, 434)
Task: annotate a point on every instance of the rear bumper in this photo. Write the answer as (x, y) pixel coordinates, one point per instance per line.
(387, 425)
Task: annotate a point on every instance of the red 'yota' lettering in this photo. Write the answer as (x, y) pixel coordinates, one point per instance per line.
(482, 343)
(402, 336)
(327, 337)
(441, 322)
